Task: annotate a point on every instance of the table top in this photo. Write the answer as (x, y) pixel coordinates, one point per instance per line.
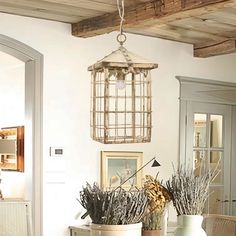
(85, 227)
(170, 227)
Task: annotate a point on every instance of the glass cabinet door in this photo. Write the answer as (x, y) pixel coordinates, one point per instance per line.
(208, 147)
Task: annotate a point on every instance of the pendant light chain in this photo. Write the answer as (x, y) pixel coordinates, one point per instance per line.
(121, 37)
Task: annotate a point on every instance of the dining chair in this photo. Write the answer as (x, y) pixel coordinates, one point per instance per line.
(219, 225)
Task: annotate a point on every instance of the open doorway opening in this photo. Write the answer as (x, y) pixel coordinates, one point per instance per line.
(33, 80)
(12, 120)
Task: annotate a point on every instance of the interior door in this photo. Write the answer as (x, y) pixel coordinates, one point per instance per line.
(208, 147)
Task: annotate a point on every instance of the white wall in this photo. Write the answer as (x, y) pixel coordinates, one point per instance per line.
(66, 105)
(12, 92)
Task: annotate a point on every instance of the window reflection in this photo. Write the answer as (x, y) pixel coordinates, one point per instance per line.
(12, 148)
(216, 130)
(215, 204)
(200, 130)
(200, 162)
(216, 164)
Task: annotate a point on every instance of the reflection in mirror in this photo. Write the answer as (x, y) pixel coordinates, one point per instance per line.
(200, 130)
(208, 155)
(215, 204)
(216, 163)
(216, 130)
(200, 162)
(12, 148)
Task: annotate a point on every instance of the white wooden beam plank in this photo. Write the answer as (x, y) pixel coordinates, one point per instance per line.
(86, 4)
(50, 7)
(37, 13)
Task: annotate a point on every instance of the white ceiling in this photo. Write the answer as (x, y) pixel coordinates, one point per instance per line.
(9, 62)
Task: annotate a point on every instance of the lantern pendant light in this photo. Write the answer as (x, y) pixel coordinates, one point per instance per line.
(121, 95)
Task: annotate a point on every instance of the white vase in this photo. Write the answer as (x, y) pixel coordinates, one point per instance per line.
(116, 230)
(190, 225)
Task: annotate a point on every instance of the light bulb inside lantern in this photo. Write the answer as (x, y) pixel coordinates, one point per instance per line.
(120, 84)
(120, 80)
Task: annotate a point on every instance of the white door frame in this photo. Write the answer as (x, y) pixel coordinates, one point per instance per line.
(33, 122)
(233, 162)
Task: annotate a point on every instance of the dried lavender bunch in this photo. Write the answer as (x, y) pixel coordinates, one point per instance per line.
(190, 191)
(113, 207)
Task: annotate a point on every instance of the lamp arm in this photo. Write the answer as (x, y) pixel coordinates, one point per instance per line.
(134, 173)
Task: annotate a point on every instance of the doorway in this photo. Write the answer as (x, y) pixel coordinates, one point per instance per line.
(207, 134)
(33, 121)
(12, 119)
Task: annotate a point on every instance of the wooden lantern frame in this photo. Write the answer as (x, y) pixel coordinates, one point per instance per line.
(121, 115)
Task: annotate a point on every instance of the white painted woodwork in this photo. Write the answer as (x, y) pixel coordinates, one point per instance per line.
(233, 166)
(209, 97)
(203, 90)
(33, 122)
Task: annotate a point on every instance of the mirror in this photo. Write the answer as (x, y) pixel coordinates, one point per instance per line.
(12, 148)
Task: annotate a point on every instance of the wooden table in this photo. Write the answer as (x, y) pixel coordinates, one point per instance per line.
(81, 230)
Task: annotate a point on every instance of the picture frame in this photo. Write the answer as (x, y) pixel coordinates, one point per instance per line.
(12, 148)
(118, 166)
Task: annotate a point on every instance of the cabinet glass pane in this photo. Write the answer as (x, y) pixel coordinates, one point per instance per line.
(200, 162)
(216, 130)
(199, 138)
(216, 165)
(215, 202)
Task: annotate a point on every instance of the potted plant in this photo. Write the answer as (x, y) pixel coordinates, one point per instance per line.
(189, 194)
(158, 197)
(115, 212)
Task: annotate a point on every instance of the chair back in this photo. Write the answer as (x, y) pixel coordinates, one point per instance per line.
(219, 225)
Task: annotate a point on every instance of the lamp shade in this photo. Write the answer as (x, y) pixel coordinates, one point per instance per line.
(155, 163)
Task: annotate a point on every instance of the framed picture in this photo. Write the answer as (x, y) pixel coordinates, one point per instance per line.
(116, 167)
(12, 148)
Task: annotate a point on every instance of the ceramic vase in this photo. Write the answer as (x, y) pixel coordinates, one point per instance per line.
(151, 233)
(190, 225)
(116, 230)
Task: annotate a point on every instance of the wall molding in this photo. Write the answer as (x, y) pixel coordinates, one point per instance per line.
(204, 90)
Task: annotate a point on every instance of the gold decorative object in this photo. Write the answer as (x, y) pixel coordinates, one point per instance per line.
(158, 198)
(121, 95)
(12, 148)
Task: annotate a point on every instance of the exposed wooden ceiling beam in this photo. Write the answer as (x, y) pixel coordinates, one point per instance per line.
(220, 48)
(156, 11)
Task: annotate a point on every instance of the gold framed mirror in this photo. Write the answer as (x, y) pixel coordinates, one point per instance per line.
(12, 148)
